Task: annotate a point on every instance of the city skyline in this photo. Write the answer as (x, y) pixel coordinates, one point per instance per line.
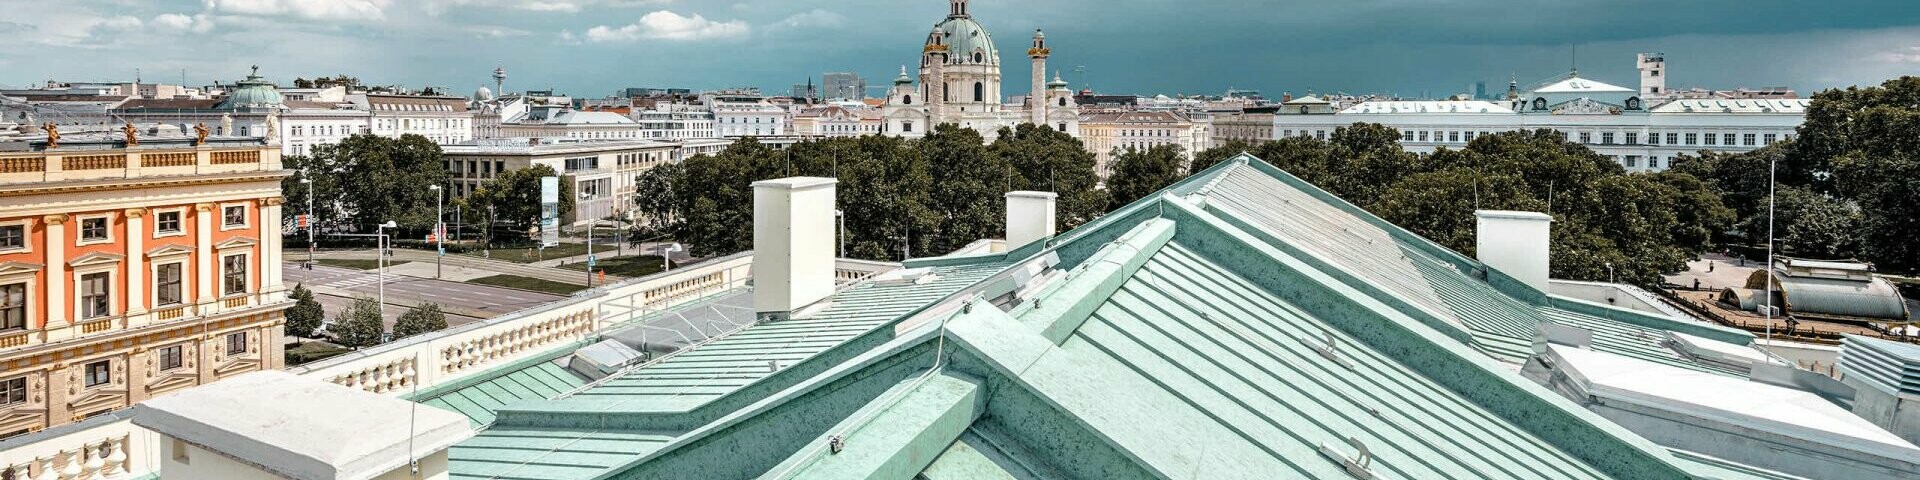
(593, 47)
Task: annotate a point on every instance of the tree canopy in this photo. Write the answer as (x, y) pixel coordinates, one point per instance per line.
(306, 315)
(365, 180)
(512, 199)
(422, 318)
(360, 324)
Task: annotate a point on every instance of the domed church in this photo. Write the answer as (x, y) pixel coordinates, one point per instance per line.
(959, 83)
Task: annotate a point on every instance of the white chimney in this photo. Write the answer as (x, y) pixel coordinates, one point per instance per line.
(1515, 243)
(792, 243)
(1030, 217)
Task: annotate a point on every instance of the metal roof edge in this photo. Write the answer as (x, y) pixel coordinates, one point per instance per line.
(1636, 317)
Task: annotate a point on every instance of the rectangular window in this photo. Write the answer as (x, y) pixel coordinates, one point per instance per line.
(1653, 162)
(1423, 135)
(166, 284)
(1586, 137)
(1633, 160)
(236, 343)
(1453, 137)
(1606, 138)
(1633, 138)
(13, 306)
(1673, 138)
(99, 373)
(1693, 139)
(1770, 138)
(166, 222)
(1747, 139)
(1712, 139)
(94, 296)
(93, 229)
(234, 216)
(170, 358)
(233, 274)
(1727, 139)
(13, 236)
(13, 390)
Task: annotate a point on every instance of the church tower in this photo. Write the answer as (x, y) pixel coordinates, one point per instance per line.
(935, 62)
(1037, 100)
(957, 9)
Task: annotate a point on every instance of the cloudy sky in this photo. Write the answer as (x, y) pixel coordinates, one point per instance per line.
(592, 47)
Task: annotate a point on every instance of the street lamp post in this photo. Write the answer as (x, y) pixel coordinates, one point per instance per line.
(439, 229)
(1768, 268)
(381, 261)
(311, 219)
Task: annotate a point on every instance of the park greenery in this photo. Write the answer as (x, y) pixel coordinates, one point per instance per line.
(1848, 183)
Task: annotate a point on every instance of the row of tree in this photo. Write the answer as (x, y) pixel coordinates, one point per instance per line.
(900, 197)
(360, 324)
(1848, 185)
(366, 180)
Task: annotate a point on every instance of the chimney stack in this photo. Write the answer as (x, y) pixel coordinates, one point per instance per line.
(1515, 243)
(792, 243)
(1030, 217)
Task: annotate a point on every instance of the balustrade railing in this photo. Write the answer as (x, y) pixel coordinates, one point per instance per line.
(105, 452)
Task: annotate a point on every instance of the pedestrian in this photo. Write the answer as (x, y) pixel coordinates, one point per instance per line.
(1709, 266)
(1696, 284)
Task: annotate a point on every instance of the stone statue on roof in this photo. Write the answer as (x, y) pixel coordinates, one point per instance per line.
(273, 128)
(53, 135)
(226, 124)
(132, 134)
(200, 134)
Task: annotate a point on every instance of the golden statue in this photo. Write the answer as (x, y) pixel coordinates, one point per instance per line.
(200, 134)
(133, 138)
(53, 135)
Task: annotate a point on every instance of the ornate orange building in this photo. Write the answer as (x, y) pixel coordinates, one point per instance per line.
(133, 268)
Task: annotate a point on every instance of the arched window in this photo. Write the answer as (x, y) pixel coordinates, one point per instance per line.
(979, 92)
(1063, 101)
(906, 100)
(978, 58)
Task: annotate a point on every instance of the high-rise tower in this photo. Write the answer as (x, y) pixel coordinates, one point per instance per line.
(1653, 74)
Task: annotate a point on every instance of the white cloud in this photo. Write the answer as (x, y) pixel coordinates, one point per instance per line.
(175, 22)
(1905, 55)
(816, 18)
(551, 7)
(320, 10)
(665, 25)
(495, 31)
(120, 23)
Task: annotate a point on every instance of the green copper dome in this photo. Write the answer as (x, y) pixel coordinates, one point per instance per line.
(253, 92)
(968, 42)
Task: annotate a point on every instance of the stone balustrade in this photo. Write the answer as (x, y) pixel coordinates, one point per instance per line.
(109, 449)
(424, 361)
(58, 165)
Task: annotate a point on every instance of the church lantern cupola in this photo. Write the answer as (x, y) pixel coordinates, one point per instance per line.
(957, 9)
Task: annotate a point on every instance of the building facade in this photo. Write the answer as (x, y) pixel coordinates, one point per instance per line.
(843, 86)
(547, 121)
(604, 172)
(134, 269)
(1108, 134)
(444, 120)
(1613, 121)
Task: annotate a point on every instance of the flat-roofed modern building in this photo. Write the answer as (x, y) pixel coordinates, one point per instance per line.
(131, 269)
(604, 172)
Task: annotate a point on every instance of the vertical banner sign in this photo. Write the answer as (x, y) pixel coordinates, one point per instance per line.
(549, 211)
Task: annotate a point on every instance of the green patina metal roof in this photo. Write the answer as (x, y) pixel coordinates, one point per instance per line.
(1425, 276)
(478, 401)
(565, 436)
(1242, 325)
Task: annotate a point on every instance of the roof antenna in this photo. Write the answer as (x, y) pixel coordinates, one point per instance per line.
(1575, 66)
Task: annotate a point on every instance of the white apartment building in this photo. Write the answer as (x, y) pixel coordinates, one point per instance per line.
(1613, 121)
(835, 121)
(604, 172)
(1108, 134)
(552, 121)
(444, 120)
(746, 116)
(674, 121)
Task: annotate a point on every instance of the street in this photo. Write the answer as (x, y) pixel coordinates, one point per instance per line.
(463, 302)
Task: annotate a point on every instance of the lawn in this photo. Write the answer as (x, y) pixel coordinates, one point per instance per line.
(635, 266)
(520, 255)
(355, 263)
(311, 351)
(528, 283)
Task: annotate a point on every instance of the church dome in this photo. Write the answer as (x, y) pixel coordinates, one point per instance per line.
(483, 95)
(968, 42)
(253, 92)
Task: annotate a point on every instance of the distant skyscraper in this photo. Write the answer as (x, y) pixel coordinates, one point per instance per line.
(843, 85)
(1480, 90)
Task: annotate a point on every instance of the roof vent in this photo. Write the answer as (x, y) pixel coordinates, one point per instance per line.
(1332, 352)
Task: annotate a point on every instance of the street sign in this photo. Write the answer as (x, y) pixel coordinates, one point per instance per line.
(592, 260)
(301, 220)
(549, 211)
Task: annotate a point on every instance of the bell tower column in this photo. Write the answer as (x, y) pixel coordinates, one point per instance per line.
(936, 81)
(1037, 100)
